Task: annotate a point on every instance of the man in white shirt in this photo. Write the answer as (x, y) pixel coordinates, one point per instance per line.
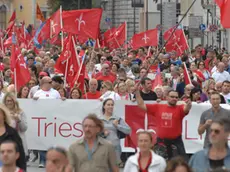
(46, 91)
(34, 89)
(226, 91)
(98, 66)
(221, 75)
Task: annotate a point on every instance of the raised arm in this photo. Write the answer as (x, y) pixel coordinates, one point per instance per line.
(188, 106)
(140, 101)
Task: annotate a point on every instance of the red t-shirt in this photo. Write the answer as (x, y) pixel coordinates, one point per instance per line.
(168, 119)
(90, 95)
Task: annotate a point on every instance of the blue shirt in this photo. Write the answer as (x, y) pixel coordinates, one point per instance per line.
(200, 161)
(177, 62)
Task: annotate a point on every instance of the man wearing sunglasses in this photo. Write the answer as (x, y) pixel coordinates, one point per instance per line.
(217, 155)
(207, 116)
(168, 119)
(46, 91)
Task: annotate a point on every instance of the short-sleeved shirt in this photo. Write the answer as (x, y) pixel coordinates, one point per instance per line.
(110, 78)
(168, 118)
(149, 96)
(102, 160)
(51, 94)
(209, 114)
(91, 95)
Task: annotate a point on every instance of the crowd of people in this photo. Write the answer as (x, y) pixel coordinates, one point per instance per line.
(128, 75)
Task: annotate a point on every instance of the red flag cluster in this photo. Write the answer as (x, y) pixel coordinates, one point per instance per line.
(115, 37)
(21, 74)
(177, 42)
(224, 12)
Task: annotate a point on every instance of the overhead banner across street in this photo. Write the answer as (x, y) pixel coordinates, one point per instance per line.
(57, 122)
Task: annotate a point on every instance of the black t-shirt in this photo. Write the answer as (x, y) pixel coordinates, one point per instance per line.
(216, 164)
(149, 96)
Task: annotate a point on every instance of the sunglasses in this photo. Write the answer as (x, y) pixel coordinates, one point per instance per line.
(215, 131)
(123, 80)
(173, 97)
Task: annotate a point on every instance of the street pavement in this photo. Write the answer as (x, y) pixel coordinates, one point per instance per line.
(33, 167)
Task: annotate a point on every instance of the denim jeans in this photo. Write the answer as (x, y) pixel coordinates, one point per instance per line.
(118, 153)
(42, 159)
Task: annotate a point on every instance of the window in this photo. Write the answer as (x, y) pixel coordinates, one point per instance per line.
(3, 17)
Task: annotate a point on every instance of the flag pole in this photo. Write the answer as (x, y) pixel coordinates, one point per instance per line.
(61, 22)
(126, 37)
(79, 72)
(189, 49)
(2, 45)
(149, 51)
(78, 61)
(15, 82)
(185, 68)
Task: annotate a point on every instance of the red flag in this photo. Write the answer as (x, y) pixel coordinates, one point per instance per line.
(67, 62)
(49, 29)
(79, 78)
(22, 72)
(39, 14)
(148, 38)
(55, 24)
(82, 22)
(13, 52)
(13, 17)
(108, 35)
(8, 42)
(135, 118)
(2, 67)
(158, 80)
(224, 12)
(118, 37)
(10, 28)
(177, 42)
(18, 65)
(187, 79)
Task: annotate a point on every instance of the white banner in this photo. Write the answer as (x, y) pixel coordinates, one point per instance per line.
(57, 122)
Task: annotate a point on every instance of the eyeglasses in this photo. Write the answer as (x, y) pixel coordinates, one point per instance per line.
(215, 131)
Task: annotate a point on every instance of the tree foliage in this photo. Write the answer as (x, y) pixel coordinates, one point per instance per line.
(69, 4)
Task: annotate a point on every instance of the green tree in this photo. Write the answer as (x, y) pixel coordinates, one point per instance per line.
(70, 4)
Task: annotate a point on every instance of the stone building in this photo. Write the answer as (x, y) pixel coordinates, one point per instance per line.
(25, 10)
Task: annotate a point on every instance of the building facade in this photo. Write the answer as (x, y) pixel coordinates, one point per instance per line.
(120, 11)
(25, 11)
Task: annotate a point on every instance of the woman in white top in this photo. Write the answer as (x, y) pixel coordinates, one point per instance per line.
(145, 160)
(19, 121)
(107, 92)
